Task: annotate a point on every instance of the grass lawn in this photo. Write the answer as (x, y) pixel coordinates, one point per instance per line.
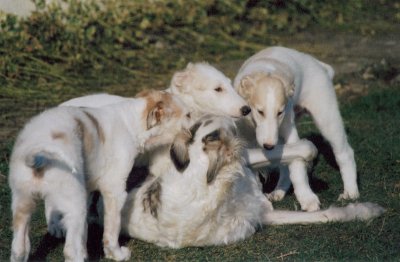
(372, 123)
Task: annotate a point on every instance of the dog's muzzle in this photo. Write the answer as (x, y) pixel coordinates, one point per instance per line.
(245, 110)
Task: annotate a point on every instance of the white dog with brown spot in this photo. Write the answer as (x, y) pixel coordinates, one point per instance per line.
(66, 152)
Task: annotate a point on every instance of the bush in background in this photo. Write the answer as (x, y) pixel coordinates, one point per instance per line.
(106, 42)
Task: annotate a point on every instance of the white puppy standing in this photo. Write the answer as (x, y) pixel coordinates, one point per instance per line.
(66, 152)
(275, 82)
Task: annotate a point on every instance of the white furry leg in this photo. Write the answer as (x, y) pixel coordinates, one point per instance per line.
(22, 207)
(298, 175)
(113, 203)
(281, 154)
(348, 172)
(283, 185)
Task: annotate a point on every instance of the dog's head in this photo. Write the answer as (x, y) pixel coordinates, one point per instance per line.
(268, 96)
(207, 90)
(210, 141)
(164, 109)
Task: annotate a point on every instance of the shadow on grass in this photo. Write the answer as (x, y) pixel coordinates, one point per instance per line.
(94, 245)
(46, 246)
(317, 185)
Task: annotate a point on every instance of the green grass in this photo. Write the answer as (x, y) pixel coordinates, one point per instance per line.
(372, 124)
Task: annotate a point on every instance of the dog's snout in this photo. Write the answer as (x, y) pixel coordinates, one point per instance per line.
(268, 146)
(245, 110)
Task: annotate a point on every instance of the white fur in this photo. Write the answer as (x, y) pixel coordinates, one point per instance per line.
(276, 80)
(230, 208)
(66, 152)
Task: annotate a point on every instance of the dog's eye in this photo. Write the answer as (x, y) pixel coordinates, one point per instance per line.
(280, 113)
(188, 116)
(218, 89)
(213, 136)
(260, 112)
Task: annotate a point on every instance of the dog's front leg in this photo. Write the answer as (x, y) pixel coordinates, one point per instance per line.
(114, 200)
(296, 170)
(281, 154)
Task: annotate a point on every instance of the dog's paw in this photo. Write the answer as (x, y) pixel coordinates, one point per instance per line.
(20, 256)
(56, 228)
(309, 203)
(117, 253)
(349, 195)
(276, 195)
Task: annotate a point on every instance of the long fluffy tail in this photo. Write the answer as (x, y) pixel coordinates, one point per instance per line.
(41, 160)
(357, 211)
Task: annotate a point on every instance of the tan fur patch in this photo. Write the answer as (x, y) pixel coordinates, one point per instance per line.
(38, 172)
(20, 215)
(99, 129)
(152, 199)
(153, 99)
(84, 136)
(59, 135)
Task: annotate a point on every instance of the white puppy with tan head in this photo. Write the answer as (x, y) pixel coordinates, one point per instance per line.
(277, 82)
(66, 152)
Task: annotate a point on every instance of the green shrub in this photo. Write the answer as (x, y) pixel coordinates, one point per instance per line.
(106, 42)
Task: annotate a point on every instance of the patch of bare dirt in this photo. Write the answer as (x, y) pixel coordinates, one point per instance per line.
(358, 60)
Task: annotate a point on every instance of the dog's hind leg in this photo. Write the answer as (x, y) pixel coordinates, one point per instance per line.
(113, 200)
(329, 121)
(22, 208)
(69, 201)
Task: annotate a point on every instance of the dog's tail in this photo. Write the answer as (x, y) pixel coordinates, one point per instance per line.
(357, 211)
(40, 160)
(329, 70)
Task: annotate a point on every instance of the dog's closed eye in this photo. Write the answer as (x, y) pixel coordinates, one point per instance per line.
(213, 136)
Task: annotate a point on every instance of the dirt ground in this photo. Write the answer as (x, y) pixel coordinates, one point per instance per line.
(352, 56)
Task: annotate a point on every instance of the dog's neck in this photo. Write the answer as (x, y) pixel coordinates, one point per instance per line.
(131, 113)
(195, 110)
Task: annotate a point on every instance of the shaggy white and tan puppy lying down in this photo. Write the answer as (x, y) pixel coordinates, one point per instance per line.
(209, 197)
(66, 152)
(277, 82)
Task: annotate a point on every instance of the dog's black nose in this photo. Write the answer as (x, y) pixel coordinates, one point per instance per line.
(245, 110)
(268, 146)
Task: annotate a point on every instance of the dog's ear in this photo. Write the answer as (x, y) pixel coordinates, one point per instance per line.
(216, 162)
(155, 115)
(290, 89)
(179, 151)
(215, 149)
(222, 149)
(245, 87)
(287, 81)
(181, 79)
